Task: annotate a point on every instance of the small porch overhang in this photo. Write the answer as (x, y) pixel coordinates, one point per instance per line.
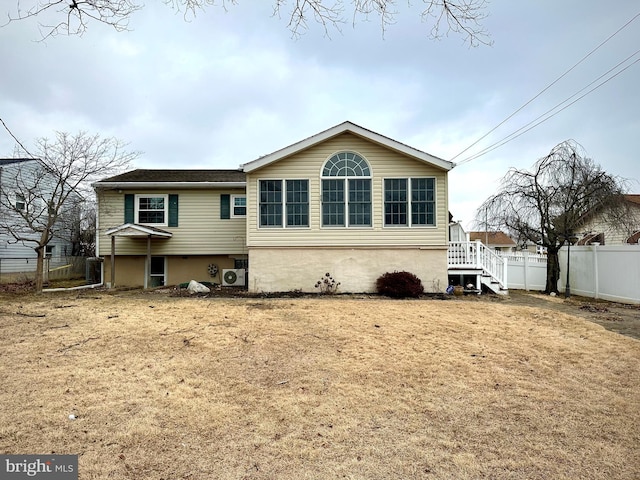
(133, 230)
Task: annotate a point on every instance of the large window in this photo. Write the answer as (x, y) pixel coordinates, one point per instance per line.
(151, 209)
(409, 202)
(284, 203)
(346, 191)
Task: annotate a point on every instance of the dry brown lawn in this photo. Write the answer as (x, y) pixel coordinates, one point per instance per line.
(315, 388)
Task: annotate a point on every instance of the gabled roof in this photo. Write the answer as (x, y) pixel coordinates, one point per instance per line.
(492, 238)
(355, 130)
(9, 161)
(633, 198)
(143, 178)
(133, 230)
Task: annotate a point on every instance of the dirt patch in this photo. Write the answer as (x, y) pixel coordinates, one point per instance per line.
(616, 317)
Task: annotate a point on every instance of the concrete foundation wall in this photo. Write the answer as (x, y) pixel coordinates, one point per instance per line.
(288, 269)
(178, 269)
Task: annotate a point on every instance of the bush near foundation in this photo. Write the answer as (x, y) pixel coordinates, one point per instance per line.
(399, 285)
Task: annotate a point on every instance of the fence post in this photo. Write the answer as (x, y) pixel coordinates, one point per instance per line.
(525, 259)
(478, 259)
(596, 279)
(45, 270)
(505, 270)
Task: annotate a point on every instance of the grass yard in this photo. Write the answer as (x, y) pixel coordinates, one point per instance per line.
(316, 388)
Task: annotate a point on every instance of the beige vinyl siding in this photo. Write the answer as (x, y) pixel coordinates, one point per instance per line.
(613, 234)
(384, 163)
(200, 229)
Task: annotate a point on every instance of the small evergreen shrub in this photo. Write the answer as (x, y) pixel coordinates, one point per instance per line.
(399, 285)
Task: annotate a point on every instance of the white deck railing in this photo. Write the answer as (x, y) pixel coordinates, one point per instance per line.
(476, 256)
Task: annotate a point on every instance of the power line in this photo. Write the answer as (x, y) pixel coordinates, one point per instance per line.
(548, 86)
(15, 138)
(532, 124)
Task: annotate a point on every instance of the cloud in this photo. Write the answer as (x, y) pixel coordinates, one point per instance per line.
(229, 86)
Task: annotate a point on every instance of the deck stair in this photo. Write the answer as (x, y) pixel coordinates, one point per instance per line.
(475, 258)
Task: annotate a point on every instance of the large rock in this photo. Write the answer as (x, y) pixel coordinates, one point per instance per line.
(195, 287)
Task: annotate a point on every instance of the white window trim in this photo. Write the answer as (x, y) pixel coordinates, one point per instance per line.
(283, 223)
(22, 200)
(410, 224)
(232, 201)
(152, 195)
(346, 194)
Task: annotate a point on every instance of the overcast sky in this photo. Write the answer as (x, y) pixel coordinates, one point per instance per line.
(228, 87)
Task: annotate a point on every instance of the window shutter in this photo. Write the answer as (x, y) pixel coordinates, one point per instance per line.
(173, 210)
(225, 206)
(129, 208)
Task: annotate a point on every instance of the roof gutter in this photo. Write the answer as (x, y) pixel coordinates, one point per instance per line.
(185, 185)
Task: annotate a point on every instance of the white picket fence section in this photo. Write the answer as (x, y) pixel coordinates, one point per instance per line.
(526, 271)
(606, 272)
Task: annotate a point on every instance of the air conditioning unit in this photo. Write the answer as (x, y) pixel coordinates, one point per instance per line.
(233, 277)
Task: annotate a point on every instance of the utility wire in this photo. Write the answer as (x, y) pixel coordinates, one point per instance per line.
(546, 115)
(15, 138)
(548, 86)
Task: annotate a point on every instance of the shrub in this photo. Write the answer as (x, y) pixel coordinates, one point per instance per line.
(399, 285)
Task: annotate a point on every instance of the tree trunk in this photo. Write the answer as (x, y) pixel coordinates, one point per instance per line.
(553, 271)
(39, 269)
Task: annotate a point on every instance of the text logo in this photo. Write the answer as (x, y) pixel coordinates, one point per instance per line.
(49, 467)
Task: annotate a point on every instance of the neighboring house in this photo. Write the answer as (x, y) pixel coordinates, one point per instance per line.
(347, 201)
(25, 189)
(599, 229)
(498, 241)
(456, 231)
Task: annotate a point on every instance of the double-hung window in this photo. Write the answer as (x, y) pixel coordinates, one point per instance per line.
(409, 202)
(21, 203)
(151, 209)
(238, 206)
(283, 203)
(346, 191)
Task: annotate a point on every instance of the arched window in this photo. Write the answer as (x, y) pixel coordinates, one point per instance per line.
(346, 191)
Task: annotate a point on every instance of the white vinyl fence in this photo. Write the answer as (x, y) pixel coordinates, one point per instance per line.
(607, 272)
(526, 271)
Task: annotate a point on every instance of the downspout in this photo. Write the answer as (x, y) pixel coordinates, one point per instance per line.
(97, 227)
(147, 279)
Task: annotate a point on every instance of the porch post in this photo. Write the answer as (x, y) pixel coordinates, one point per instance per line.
(147, 277)
(478, 256)
(113, 261)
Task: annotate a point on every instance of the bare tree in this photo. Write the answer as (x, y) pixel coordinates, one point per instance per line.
(48, 190)
(72, 17)
(549, 205)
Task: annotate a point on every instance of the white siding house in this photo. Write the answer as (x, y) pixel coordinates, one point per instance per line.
(25, 190)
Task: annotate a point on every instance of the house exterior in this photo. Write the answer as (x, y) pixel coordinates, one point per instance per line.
(25, 188)
(347, 201)
(188, 220)
(598, 229)
(498, 241)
